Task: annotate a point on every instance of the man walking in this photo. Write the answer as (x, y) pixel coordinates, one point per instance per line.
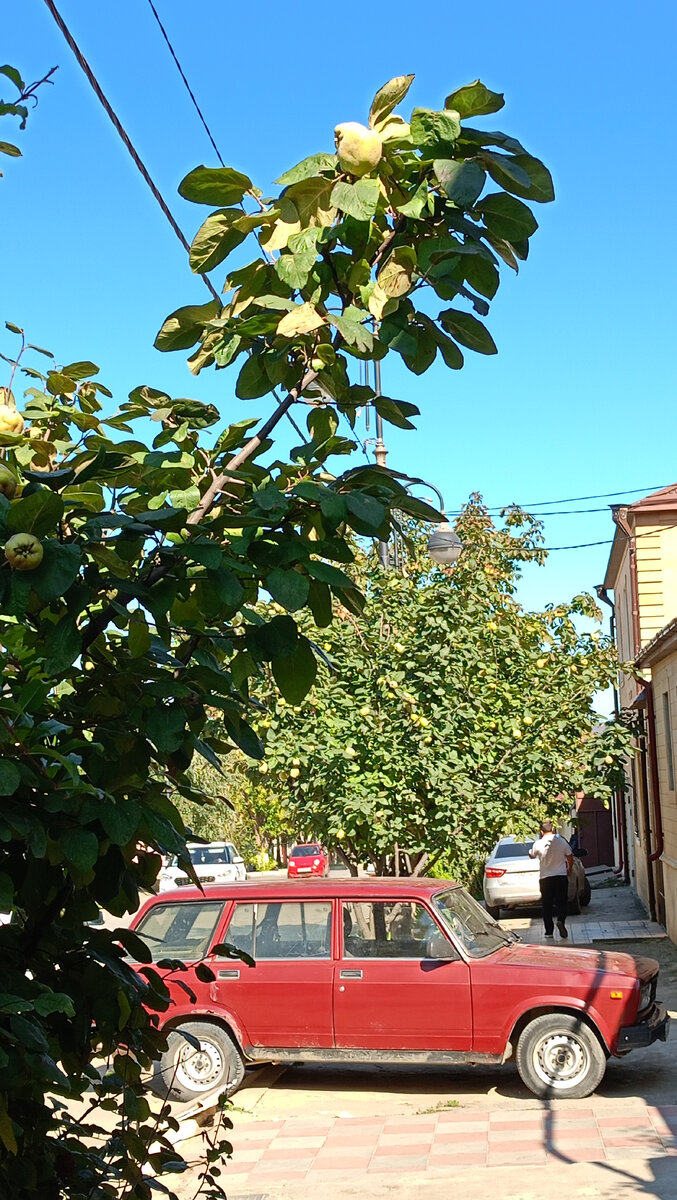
(555, 865)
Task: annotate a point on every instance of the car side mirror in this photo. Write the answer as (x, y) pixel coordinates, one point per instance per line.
(439, 947)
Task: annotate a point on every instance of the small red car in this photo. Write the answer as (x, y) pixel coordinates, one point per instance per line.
(307, 859)
(384, 971)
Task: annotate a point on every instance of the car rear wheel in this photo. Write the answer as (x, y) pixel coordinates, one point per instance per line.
(558, 1055)
(586, 895)
(493, 910)
(187, 1073)
(575, 903)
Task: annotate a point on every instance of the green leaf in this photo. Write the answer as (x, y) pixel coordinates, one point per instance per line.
(60, 384)
(252, 381)
(10, 149)
(9, 777)
(120, 821)
(184, 327)
(395, 411)
(505, 171)
(276, 639)
(307, 168)
(467, 330)
(507, 217)
(13, 74)
(326, 573)
(62, 645)
(368, 511)
(388, 97)
(217, 186)
(430, 129)
(138, 638)
(481, 275)
(80, 848)
(474, 100)
(359, 200)
(319, 603)
(80, 370)
(288, 588)
(215, 239)
(295, 674)
(461, 181)
(38, 513)
(58, 570)
(134, 945)
(227, 587)
(312, 201)
(540, 188)
(165, 726)
(396, 276)
(415, 203)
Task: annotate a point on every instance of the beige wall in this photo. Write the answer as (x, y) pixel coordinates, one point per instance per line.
(656, 577)
(665, 683)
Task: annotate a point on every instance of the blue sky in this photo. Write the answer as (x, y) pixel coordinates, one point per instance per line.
(580, 399)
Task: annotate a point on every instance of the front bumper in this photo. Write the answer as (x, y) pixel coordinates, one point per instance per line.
(654, 1028)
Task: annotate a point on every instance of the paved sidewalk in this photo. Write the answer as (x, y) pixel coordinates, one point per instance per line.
(272, 1153)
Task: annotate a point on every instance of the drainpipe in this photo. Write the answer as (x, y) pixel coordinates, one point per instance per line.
(645, 815)
(653, 764)
(623, 866)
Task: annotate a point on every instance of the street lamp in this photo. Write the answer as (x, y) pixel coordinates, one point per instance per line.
(444, 545)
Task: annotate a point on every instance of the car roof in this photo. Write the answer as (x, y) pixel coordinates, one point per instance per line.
(298, 845)
(284, 889)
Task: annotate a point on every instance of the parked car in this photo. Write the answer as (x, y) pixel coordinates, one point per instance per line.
(511, 879)
(384, 971)
(214, 862)
(308, 858)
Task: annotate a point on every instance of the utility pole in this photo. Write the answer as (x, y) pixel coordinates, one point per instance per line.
(380, 454)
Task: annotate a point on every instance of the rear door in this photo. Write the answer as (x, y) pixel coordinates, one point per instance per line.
(285, 1000)
(388, 994)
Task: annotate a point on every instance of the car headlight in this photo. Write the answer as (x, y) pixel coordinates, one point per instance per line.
(645, 996)
(316, 862)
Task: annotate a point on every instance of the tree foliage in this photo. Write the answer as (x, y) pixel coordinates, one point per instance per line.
(148, 533)
(447, 715)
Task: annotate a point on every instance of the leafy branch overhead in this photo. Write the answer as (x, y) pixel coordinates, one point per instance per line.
(393, 243)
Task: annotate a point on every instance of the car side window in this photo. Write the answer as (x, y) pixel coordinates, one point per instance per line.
(182, 930)
(385, 929)
(282, 929)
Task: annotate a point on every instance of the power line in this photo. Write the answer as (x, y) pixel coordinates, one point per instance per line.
(575, 500)
(608, 541)
(217, 152)
(137, 159)
(188, 87)
(124, 135)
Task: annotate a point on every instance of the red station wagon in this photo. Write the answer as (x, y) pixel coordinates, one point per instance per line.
(386, 971)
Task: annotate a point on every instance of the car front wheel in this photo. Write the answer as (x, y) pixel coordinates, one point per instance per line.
(187, 1073)
(558, 1055)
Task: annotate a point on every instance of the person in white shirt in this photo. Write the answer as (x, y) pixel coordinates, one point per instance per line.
(555, 865)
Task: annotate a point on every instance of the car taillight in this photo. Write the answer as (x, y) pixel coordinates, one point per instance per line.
(494, 872)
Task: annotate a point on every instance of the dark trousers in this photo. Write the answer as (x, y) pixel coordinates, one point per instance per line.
(554, 894)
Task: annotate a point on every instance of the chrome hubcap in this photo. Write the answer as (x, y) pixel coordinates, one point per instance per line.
(198, 1069)
(560, 1060)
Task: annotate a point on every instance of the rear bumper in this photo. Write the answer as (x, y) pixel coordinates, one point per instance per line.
(653, 1029)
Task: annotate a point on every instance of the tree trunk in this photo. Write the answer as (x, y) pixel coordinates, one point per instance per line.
(352, 867)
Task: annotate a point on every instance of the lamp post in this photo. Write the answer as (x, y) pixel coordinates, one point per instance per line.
(444, 545)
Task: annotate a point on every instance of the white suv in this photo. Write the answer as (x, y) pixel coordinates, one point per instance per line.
(214, 862)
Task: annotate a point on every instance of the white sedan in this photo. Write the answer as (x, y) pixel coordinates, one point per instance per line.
(511, 879)
(214, 862)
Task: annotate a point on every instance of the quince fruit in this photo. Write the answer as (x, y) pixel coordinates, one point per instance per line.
(11, 421)
(23, 552)
(359, 149)
(8, 482)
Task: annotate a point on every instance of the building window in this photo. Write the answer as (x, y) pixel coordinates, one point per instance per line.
(668, 741)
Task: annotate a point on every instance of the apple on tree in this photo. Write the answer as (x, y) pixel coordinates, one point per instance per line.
(23, 552)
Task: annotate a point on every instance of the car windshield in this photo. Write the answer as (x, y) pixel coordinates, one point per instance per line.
(305, 851)
(478, 934)
(513, 850)
(208, 856)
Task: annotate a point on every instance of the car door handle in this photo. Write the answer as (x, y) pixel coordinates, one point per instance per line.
(350, 974)
(227, 974)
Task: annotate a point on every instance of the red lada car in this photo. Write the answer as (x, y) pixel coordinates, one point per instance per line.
(386, 971)
(307, 859)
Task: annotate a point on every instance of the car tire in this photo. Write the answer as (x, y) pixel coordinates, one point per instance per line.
(575, 904)
(586, 894)
(187, 1074)
(560, 1056)
(493, 910)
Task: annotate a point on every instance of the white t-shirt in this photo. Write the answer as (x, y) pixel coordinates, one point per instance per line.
(552, 852)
